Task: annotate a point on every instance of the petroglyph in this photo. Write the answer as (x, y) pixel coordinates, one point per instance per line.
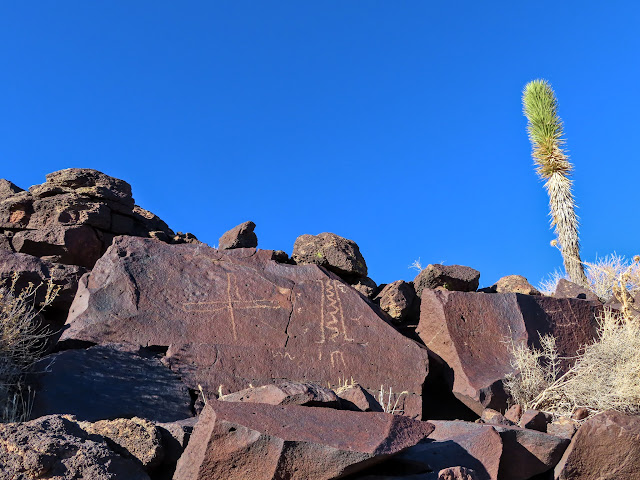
(230, 304)
(332, 314)
(283, 355)
(337, 359)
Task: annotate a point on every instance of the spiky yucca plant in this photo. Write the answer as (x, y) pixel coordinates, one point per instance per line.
(553, 166)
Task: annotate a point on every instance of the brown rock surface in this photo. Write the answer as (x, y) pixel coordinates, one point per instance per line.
(515, 284)
(56, 447)
(397, 299)
(335, 253)
(105, 382)
(605, 446)
(564, 427)
(135, 437)
(457, 473)
(469, 331)
(286, 393)
(241, 236)
(248, 441)
(447, 277)
(534, 420)
(354, 397)
(567, 289)
(491, 416)
(265, 321)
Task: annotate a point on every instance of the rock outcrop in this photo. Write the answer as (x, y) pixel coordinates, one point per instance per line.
(235, 318)
(447, 277)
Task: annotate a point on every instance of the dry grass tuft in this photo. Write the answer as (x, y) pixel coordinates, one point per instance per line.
(22, 342)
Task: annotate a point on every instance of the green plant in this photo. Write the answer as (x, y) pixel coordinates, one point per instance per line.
(546, 134)
(22, 341)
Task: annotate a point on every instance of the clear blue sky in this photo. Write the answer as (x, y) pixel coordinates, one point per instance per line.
(395, 123)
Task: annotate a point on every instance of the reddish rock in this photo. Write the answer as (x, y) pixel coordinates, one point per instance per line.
(241, 236)
(478, 447)
(8, 189)
(397, 299)
(469, 331)
(457, 473)
(447, 277)
(105, 382)
(175, 437)
(265, 321)
(525, 453)
(366, 287)
(494, 417)
(567, 289)
(5, 242)
(56, 447)
(515, 284)
(258, 441)
(605, 446)
(286, 393)
(563, 427)
(534, 420)
(354, 397)
(580, 413)
(514, 413)
(335, 253)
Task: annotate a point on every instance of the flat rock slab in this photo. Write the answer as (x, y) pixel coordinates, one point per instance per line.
(57, 447)
(605, 446)
(471, 333)
(248, 441)
(286, 393)
(236, 318)
(107, 382)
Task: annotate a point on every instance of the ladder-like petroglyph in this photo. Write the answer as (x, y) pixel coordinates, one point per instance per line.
(232, 302)
(332, 314)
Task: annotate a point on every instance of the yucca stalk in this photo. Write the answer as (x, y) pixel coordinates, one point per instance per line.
(553, 166)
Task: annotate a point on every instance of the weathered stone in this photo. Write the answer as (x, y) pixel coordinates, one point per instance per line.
(457, 473)
(580, 413)
(33, 270)
(249, 441)
(135, 437)
(5, 242)
(447, 277)
(478, 447)
(91, 183)
(241, 236)
(15, 211)
(354, 397)
(265, 321)
(146, 221)
(68, 209)
(105, 382)
(534, 420)
(335, 253)
(286, 393)
(514, 413)
(567, 289)
(525, 453)
(494, 417)
(471, 332)
(366, 287)
(397, 299)
(8, 189)
(563, 427)
(57, 447)
(175, 437)
(515, 284)
(71, 245)
(605, 446)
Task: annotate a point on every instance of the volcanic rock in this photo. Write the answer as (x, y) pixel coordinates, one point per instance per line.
(514, 284)
(248, 441)
(447, 277)
(354, 397)
(567, 289)
(57, 447)
(336, 254)
(471, 332)
(397, 299)
(106, 382)
(457, 473)
(605, 446)
(236, 318)
(8, 189)
(241, 236)
(286, 393)
(366, 287)
(534, 420)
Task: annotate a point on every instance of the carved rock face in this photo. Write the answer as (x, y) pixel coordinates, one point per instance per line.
(236, 318)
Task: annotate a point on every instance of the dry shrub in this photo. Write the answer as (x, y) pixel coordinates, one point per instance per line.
(605, 375)
(22, 342)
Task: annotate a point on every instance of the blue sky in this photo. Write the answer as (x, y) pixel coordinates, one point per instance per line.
(397, 124)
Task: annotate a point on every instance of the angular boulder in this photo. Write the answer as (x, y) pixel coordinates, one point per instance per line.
(398, 300)
(106, 382)
(515, 284)
(567, 289)
(248, 441)
(337, 254)
(354, 397)
(241, 236)
(605, 446)
(471, 332)
(236, 318)
(286, 393)
(57, 447)
(447, 277)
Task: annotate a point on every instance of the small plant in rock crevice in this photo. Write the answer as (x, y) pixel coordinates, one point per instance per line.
(22, 341)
